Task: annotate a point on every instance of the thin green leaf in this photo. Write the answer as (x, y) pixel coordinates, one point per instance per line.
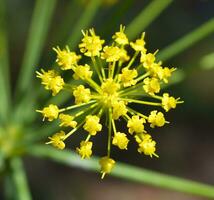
(4, 66)
(114, 19)
(84, 21)
(147, 15)
(207, 61)
(19, 180)
(187, 41)
(71, 15)
(126, 171)
(9, 189)
(38, 31)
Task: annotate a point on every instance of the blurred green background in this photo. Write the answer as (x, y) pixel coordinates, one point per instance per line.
(185, 146)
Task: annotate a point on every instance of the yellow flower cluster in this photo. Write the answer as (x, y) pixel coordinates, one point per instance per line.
(105, 92)
(146, 144)
(51, 80)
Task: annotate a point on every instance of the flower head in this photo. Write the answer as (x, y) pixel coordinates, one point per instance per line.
(147, 59)
(156, 119)
(92, 124)
(120, 37)
(82, 72)
(82, 94)
(91, 44)
(52, 81)
(147, 146)
(127, 77)
(165, 73)
(135, 124)
(111, 53)
(110, 87)
(139, 44)
(57, 140)
(124, 57)
(65, 58)
(151, 85)
(119, 109)
(104, 91)
(168, 102)
(120, 140)
(51, 112)
(106, 165)
(67, 121)
(85, 149)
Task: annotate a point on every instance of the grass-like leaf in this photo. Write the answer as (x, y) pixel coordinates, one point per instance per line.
(19, 179)
(187, 41)
(38, 31)
(4, 67)
(83, 22)
(207, 61)
(126, 171)
(150, 13)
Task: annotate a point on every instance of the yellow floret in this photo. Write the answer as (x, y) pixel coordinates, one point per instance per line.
(147, 146)
(110, 86)
(51, 80)
(156, 119)
(51, 112)
(82, 94)
(111, 53)
(139, 44)
(46, 77)
(168, 102)
(85, 149)
(147, 59)
(106, 165)
(119, 109)
(127, 77)
(120, 37)
(124, 57)
(56, 85)
(120, 140)
(67, 121)
(92, 124)
(65, 58)
(151, 85)
(57, 140)
(91, 44)
(82, 72)
(165, 73)
(135, 124)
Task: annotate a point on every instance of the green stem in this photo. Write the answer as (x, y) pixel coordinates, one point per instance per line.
(126, 171)
(109, 132)
(141, 102)
(147, 15)
(130, 89)
(132, 112)
(142, 77)
(187, 41)
(113, 126)
(133, 59)
(97, 69)
(75, 106)
(73, 130)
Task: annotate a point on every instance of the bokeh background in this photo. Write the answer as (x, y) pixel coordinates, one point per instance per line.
(185, 146)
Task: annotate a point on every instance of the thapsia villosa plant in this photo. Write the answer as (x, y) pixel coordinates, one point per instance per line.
(108, 88)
